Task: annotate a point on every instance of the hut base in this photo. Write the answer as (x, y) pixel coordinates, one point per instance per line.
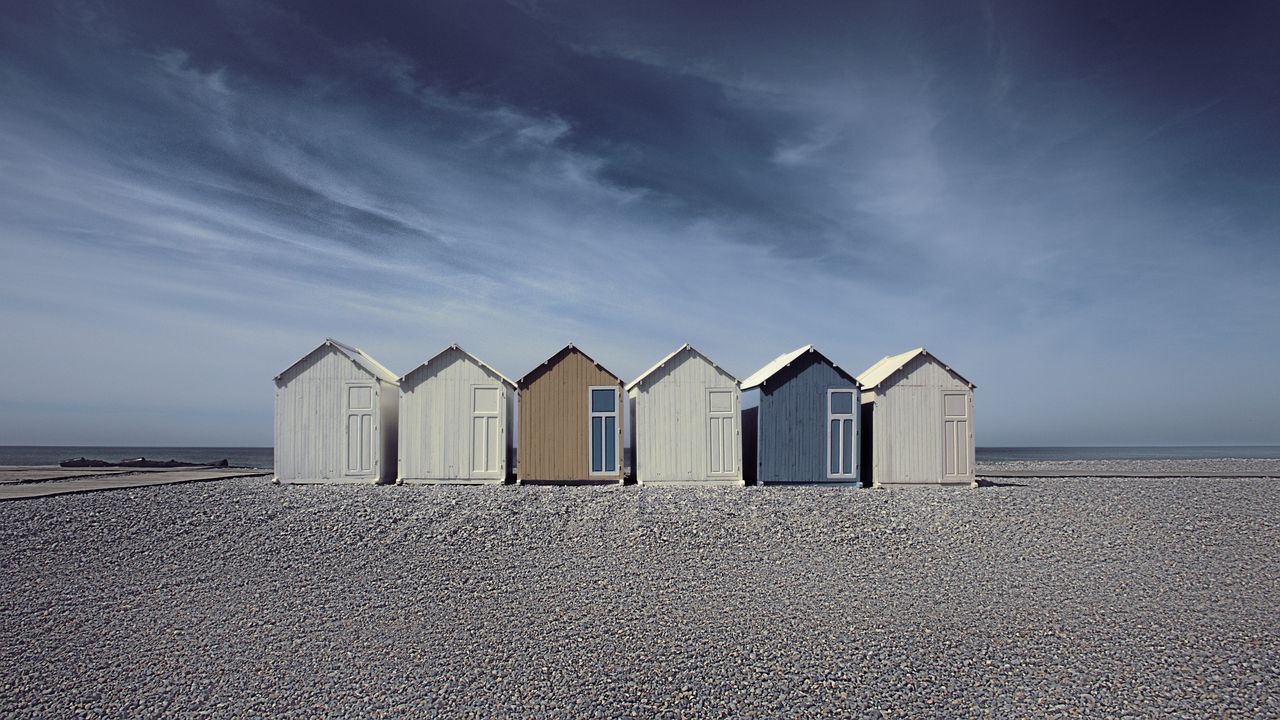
(602, 481)
(330, 481)
(951, 485)
(717, 482)
(811, 483)
(451, 481)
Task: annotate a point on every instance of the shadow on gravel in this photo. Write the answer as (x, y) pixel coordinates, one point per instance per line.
(983, 482)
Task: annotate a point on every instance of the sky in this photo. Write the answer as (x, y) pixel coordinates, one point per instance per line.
(1076, 205)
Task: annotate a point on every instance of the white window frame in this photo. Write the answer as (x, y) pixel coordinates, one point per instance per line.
(617, 425)
(853, 454)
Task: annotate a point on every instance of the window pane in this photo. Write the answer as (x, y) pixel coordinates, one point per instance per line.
(841, 403)
(597, 456)
(603, 400)
(835, 447)
(847, 458)
(610, 444)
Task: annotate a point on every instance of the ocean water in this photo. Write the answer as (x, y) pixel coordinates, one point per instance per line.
(255, 457)
(261, 457)
(1185, 452)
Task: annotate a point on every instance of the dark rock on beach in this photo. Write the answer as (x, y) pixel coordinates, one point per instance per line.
(84, 462)
(139, 463)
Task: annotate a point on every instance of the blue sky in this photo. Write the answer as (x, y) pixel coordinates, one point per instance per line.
(1077, 205)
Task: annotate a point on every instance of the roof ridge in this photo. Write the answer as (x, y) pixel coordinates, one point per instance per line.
(669, 357)
(459, 348)
(570, 346)
(773, 367)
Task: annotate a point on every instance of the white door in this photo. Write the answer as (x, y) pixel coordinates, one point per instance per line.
(720, 429)
(486, 430)
(360, 430)
(957, 463)
(842, 434)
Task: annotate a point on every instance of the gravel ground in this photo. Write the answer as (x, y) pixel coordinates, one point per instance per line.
(1101, 598)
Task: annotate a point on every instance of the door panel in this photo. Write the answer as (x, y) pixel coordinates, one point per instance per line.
(720, 401)
(480, 445)
(353, 444)
(728, 456)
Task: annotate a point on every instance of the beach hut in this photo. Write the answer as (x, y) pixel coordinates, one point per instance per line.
(455, 421)
(570, 411)
(805, 420)
(685, 422)
(917, 422)
(335, 418)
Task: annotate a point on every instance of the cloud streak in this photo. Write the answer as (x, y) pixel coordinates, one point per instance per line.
(1013, 187)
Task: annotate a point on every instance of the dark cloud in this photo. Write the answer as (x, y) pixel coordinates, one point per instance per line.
(1011, 181)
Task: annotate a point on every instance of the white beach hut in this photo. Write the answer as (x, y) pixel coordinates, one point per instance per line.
(455, 421)
(685, 422)
(335, 418)
(917, 421)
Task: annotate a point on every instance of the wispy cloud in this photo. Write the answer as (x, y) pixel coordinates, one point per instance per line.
(176, 203)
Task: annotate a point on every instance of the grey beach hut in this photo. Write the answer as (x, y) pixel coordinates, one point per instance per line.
(335, 418)
(917, 422)
(685, 424)
(455, 421)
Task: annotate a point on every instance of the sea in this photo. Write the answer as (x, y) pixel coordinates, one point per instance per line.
(261, 457)
(1157, 452)
(253, 457)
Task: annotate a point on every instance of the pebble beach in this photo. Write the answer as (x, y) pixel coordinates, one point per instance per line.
(1024, 597)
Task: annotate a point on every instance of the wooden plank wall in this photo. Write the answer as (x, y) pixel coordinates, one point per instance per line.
(908, 436)
(671, 422)
(793, 422)
(436, 419)
(310, 424)
(554, 434)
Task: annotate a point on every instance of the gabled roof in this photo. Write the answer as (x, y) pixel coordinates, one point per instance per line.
(357, 356)
(890, 364)
(669, 358)
(761, 376)
(471, 357)
(564, 351)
